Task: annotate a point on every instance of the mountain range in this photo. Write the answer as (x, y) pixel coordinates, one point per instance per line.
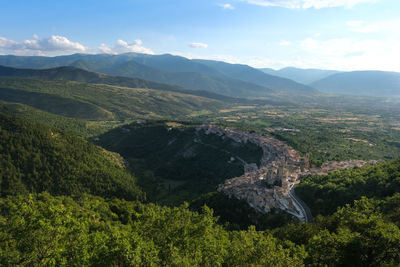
(223, 78)
(304, 76)
(207, 78)
(360, 83)
(372, 83)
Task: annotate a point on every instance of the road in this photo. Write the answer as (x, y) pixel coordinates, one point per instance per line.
(305, 209)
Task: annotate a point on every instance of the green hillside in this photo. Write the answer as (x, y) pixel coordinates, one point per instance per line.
(35, 158)
(324, 194)
(80, 127)
(102, 102)
(81, 75)
(176, 163)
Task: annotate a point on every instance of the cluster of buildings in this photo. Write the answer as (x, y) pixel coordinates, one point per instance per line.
(269, 186)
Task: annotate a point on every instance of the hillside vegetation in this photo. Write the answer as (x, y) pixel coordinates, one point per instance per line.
(324, 194)
(90, 231)
(35, 158)
(79, 127)
(80, 75)
(58, 231)
(176, 163)
(101, 102)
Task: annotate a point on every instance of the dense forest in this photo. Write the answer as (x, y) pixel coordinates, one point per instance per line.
(57, 231)
(325, 193)
(36, 158)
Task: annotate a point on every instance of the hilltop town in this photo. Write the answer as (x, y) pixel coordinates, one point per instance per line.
(270, 185)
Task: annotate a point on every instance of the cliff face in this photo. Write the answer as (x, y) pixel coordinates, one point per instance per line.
(269, 185)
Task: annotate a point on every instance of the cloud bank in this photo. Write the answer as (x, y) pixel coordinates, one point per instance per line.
(124, 47)
(391, 26)
(54, 43)
(198, 45)
(304, 4)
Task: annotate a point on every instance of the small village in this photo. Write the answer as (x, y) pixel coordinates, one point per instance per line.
(269, 186)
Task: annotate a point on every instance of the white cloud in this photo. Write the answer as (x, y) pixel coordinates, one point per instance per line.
(351, 54)
(317, 4)
(392, 25)
(355, 23)
(105, 49)
(284, 43)
(124, 47)
(198, 45)
(227, 6)
(54, 43)
(6, 44)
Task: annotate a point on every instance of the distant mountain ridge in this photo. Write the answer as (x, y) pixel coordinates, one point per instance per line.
(249, 74)
(372, 83)
(173, 70)
(304, 76)
(81, 75)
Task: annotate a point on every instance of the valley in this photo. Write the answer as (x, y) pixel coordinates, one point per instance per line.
(280, 170)
(235, 133)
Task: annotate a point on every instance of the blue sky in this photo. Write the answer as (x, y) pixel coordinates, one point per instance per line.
(330, 34)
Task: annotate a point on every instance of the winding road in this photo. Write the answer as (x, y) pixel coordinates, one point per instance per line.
(303, 206)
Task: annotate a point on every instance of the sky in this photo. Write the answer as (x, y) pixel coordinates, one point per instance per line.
(325, 34)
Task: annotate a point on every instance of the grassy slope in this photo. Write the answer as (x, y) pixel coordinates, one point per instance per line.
(81, 75)
(101, 102)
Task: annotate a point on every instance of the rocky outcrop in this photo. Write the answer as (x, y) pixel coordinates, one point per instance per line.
(269, 185)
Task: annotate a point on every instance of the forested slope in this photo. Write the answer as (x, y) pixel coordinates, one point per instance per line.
(174, 162)
(36, 158)
(325, 193)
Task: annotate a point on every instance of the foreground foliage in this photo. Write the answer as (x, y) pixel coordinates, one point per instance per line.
(54, 231)
(362, 235)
